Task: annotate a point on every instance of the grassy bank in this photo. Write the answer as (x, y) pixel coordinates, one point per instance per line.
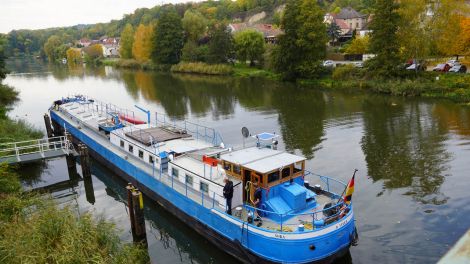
(455, 87)
(202, 68)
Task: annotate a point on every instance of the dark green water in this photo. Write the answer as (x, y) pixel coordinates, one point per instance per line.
(413, 184)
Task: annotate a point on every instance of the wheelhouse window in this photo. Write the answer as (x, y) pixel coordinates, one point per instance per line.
(274, 176)
(285, 172)
(237, 169)
(141, 154)
(151, 159)
(227, 166)
(204, 187)
(297, 167)
(174, 172)
(189, 180)
(122, 143)
(131, 148)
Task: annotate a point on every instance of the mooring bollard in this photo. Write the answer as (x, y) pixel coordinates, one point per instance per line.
(47, 123)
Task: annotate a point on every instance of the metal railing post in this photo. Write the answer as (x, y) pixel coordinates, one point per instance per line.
(213, 199)
(172, 180)
(186, 187)
(17, 153)
(202, 198)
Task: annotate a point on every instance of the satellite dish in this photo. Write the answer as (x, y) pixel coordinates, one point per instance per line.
(245, 132)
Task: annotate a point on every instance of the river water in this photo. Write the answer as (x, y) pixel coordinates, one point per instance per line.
(413, 154)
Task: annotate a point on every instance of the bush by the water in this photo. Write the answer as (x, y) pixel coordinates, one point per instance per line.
(202, 68)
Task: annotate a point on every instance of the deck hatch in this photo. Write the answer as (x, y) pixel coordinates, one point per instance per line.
(156, 134)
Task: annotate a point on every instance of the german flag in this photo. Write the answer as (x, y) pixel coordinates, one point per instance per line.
(349, 190)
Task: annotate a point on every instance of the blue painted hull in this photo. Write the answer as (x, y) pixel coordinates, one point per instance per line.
(247, 243)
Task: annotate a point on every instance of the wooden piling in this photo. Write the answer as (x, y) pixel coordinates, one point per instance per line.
(57, 128)
(85, 160)
(47, 123)
(89, 191)
(138, 204)
(130, 205)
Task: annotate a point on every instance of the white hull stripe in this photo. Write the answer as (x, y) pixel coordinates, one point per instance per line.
(288, 235)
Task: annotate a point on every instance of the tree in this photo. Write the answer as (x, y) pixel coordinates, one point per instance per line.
(50, 48)
(303, 43)
(334, 32)
(168, 38)
(143, 43)
(413, 31)
(249, 45)
(93, 53)
(463, 40)
(3, 70)
(73, 55)
(127, 40)
(384, 41)
(359, 45)
(194, 25)
(220, 44)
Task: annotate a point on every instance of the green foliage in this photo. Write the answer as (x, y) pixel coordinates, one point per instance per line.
(168, 39)
(249, 45)
(303, 44)
(52, 48)
(220, 45)
(347, 72)
(127, 40)
(334, 32)
(74, 56)
(192, 52)
(194, 25)
(93, 54)
(359, 45)
(384, 41)
(202, 68)
(3, 70)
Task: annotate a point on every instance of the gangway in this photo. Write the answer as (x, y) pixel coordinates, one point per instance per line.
(33, 150)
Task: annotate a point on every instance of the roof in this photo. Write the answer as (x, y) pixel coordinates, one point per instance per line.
(342, 23)
(155, 134)
(268, 30)
(349, 13)
(261, 159)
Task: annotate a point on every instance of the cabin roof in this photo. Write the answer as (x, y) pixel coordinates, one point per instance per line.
(157, 134)
(261, 159)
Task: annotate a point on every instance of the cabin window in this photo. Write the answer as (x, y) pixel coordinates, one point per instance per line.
(286, 172)
(131, 148)
(189, 180)
(274, 176)
(297, 167)
(174, 172)
(237, 169)
(260, 177)
(141, 154)
(122, 143)
(151, 160)
(204, 187)
(227, 166)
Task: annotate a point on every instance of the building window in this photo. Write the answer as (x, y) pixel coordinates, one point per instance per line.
(285, 172)
(151, 160)
(189, 180)
(272, 177)
(141, 154)
(122, 144)
(357, 24)
(131, 148)
(174, 172)
(204, 187)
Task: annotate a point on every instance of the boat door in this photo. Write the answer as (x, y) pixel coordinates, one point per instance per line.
(246, 178)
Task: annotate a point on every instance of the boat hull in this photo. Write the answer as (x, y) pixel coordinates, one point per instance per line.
(220, 229)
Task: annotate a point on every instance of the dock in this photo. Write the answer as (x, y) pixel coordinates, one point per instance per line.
(34, 150)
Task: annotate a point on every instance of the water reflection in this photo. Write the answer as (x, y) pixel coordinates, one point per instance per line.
(405, 147)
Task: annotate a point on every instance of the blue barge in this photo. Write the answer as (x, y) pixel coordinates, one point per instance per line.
(301, 216)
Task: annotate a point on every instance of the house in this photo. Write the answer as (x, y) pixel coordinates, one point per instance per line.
(270, 33)
(84, 42)
(110, 47)
(354, 19)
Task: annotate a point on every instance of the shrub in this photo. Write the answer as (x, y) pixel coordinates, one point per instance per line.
(202, 68)
(347, 72)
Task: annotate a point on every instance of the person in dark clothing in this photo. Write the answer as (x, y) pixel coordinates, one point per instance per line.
(257, 196)
(228, 194)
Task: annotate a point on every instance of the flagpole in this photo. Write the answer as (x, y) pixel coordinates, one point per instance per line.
(354, 174)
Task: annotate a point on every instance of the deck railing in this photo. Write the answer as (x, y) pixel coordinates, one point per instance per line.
(20, 148)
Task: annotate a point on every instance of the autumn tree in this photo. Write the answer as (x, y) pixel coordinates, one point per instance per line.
(303, 43)
(359, 45)
(220, 44)
(51, 48)
(168, 38)
(93, 53)
(384, 40)
(249, 45)
(74, 55)
(143, 43)
(127, 40)
(194, 25)
(3, 70)
(413, 31)
(463, 40)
